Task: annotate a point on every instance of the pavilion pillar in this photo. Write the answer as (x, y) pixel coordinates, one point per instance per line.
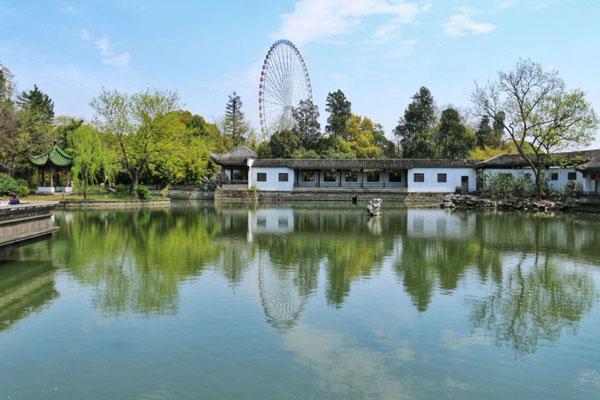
(51, 176)
(362, 178)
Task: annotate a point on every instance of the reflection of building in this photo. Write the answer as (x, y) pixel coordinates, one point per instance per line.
(439, 223)
(8, 79)
(270, 220)
(25, 287)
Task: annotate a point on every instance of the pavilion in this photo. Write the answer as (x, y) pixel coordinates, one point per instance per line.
(54, 168)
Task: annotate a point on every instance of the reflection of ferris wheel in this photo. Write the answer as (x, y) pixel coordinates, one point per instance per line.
(280, 296)
(284, 82)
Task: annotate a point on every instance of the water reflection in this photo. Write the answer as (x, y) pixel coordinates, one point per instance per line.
(26, 287)
(531, 271)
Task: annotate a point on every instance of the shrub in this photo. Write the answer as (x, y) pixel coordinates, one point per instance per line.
(165, 192)
(8, 184)
(506, 187)
(143, 193)
(23, 187)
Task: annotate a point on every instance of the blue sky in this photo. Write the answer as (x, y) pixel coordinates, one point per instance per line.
(379, 52)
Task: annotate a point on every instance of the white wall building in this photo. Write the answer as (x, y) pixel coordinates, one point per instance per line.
(441, 180)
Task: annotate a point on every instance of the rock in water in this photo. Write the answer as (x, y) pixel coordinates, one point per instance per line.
(374, 207)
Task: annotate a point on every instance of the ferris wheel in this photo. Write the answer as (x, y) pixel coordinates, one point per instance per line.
(284, 82)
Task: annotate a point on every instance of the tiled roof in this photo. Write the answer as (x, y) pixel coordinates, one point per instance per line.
(362, 163)
(235, 157)
(573, 158)
(55, 156)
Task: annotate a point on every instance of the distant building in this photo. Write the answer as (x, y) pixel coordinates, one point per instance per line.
(242, 169)
(8, 78)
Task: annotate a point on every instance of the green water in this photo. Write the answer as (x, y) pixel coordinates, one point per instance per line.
(204, 303)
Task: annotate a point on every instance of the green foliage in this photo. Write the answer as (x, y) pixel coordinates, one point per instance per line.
(537, 113)
(142, 192)
(307, 127)
(8, 184)
(360, 138)
(38, 104)
(416, 125)
(283, 144)
(130, 121)
(122, 188)
(507, 187)
(234, 123)
(264, 150)
(340, 110)
(452, 138)
(488, 136)
(93, 158)
(23, 187)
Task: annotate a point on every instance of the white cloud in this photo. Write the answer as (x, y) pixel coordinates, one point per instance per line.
(85, 34)
(107, 52)
(313, 20)
(463, 24)
(68, 10)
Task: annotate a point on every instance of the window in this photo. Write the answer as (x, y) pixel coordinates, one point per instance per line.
(554, 176)
(239, 175)
(395, 176)
(283, 177)
(330, 175)
(261, 177)
(572, 176)
(442, 178)
(308, 176)
(419, 177)
(372, 175)
(351, 176)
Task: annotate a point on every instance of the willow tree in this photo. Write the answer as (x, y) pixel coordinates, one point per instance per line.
(537, 113)
(131, 121)
(93, 158)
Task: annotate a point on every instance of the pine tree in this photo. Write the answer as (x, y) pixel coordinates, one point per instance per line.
(38, 104)
(307, 126)
(416, 125)
(454, 140)
(234, 123)
(340, 110)
(484, 132)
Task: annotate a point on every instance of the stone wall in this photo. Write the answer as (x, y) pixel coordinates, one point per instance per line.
(26, 222)
(191, 194)
(113, 204)
(388, 196)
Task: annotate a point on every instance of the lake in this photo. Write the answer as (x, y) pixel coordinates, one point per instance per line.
(198, 302)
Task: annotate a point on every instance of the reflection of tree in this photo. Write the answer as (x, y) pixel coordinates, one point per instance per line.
(339, 239)
(136, 260)
(535, 304)
(26, 287)
(426, 263)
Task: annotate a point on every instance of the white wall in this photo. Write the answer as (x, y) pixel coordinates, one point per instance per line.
(431, 184)
(558, 185)
(272, 183)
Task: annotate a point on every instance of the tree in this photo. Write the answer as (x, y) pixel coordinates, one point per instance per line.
(92, 157)
(340, 110)
(131, 122)
(38, 104)
(283, 144)
(537, 113)
(8, 130)
(307, 127)
(360, 140)
(487, 135)
(234, 123)
(416, 125)
(454, 140)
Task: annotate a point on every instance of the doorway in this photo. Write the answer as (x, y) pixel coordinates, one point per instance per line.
(464, 184)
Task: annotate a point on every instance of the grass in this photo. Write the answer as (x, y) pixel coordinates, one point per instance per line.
(79, 197)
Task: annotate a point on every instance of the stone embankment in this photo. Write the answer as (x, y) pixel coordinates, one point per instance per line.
(452, 201)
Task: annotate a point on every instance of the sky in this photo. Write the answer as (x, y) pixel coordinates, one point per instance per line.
(379, 52)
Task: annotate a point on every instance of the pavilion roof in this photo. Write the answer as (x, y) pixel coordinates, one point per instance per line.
(55, 156)
(236, 157)
(580, 159)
